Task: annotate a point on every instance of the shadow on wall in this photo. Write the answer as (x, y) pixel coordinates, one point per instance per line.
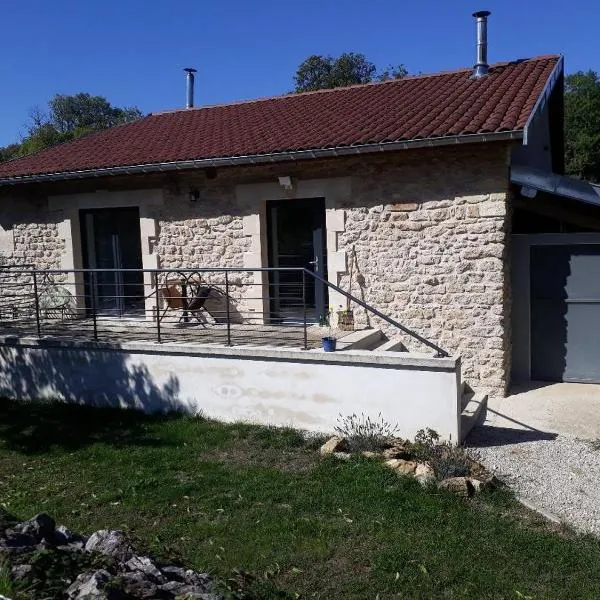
(100, 379)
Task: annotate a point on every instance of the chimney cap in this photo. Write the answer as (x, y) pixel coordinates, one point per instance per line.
(190, 70)
(482, 13)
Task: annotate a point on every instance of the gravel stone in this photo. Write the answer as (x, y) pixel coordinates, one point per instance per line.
(561, 475)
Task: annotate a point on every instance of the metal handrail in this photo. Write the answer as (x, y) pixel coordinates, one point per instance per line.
(440, 352)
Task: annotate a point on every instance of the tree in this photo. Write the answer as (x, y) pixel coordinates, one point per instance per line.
(319, 72)
(582, 125)
(68, 117)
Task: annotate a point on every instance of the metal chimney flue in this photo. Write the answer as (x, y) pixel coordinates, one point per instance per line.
(481, 67)
(190, 87)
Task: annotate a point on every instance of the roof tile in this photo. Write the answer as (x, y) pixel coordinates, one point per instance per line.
(420, 107)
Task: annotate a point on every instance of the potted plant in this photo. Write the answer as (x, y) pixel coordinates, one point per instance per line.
(329, 341)
(345, 318)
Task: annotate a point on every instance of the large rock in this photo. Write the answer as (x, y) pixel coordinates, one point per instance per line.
(398, 450)
(137, 585)
(461, 486)
(41, 527)
(424, 474)
(15, 541)
(96, 585)
(112, 542)
(334, 445)
(401, 466)
(145, 566)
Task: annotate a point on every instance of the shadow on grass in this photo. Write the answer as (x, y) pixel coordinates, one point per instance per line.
(36, 427)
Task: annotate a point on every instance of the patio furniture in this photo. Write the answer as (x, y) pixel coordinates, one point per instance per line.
(190, 296)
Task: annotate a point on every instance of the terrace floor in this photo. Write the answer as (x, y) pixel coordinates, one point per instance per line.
(119, 330)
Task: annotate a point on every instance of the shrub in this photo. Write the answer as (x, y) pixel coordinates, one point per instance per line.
(445, 458)
(363, 433)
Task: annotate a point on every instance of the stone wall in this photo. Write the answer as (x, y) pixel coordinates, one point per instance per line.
(429, 229)
(30, 234)
(431, 247)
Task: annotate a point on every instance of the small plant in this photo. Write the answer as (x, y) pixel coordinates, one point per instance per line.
(329, 340)
(445, 458)
(6, 583)
(363, 433)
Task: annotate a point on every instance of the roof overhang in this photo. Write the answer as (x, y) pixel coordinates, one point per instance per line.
(267, 158)
(544, 98)
(552, 183)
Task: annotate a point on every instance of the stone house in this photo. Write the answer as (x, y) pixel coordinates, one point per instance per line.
(406, 184)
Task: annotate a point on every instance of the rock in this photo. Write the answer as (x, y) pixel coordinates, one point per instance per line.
(41, 527)
(145, 566)
(110, 542)
(460, 486)
(370, 454)
(136, 584)
(478, 485)
(21, 572)
(401, 466)
(335, 444)
(15, 541)
(424, 474)
(173, 573)
(63, 536)
(342, 455)
(93, 585)
(182, 590)
(397, 451)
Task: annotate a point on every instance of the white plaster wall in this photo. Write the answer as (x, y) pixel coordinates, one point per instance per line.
(275, 387)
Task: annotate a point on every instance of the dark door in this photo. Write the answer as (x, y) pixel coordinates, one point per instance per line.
(565, 313)
(111, 240)
(297, 239)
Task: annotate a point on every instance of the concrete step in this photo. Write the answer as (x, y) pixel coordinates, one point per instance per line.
(391, 346)
(473, 414)
(367, 339)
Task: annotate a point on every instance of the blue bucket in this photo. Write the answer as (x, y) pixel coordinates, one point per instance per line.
(329, 344)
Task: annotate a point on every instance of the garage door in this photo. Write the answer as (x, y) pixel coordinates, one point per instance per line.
(565, 313)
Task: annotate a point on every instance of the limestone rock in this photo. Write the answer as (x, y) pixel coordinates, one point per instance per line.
(110, 542)
(136, 584)
(145, 566)
(397, 451)
(342, 455)
(370, 454)
(93, 585)
(460, 486)
(41, 527)
(334, 444)
(401, 466)
(424, 474)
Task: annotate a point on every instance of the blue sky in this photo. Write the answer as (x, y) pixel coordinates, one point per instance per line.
(132, 51)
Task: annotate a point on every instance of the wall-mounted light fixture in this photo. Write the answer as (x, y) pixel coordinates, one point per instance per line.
(194, 194)
(286, 182)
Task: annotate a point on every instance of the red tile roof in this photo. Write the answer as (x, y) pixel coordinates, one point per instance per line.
(420, 107)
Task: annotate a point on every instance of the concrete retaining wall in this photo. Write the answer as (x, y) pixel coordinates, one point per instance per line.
(307, 390)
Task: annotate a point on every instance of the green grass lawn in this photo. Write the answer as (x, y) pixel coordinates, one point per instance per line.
(225, 497)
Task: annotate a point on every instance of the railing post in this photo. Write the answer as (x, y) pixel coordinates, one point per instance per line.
(37, 305)
(157, 308)
(304, 309)
(93, 302)
(227, 309)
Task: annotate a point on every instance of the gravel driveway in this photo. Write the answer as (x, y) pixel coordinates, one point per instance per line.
(558, 474)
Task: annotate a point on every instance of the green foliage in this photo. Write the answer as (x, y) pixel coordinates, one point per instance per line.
(6, 585)
(68, 117)
(350, 68)
(363, 433)
(582, 125)
(446, 459)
